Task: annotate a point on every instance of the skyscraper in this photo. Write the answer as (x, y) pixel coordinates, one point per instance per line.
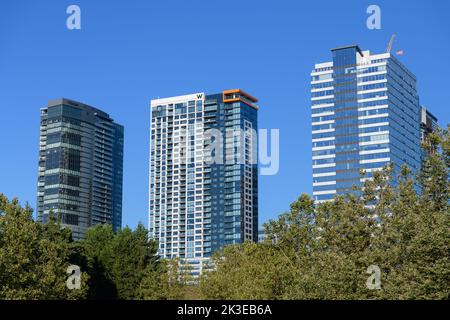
(80, 166)
(365, 114)
(203, 174)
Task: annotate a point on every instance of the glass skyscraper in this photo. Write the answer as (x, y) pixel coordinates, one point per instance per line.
(365, 114)
(80, 166)
(203, 174)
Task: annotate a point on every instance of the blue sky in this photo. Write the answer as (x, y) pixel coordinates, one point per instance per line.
(129, 52)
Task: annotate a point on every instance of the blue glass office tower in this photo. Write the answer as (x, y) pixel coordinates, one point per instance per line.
(365, 114)
(80, 166)
(196, 205)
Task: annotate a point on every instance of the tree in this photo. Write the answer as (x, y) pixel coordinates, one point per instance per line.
(97, 250)
(247, 271)
(117, 262)
(323, 251)
(433, 176)
(133, 255)
(34, 257)
(170, 279)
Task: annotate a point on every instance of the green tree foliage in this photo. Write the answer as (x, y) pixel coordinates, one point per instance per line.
(397, 224)
(247, 271)
(117, 262)
(323, 251)
(168, 280)
(34, 257)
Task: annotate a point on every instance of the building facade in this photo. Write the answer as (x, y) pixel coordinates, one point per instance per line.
(428, 123)
(365, 114)
(261, 234)
(80, 166)
(203, 174)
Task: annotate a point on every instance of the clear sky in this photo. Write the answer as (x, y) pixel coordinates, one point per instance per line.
(128, 52)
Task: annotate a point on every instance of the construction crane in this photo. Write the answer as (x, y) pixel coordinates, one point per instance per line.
(391, 42)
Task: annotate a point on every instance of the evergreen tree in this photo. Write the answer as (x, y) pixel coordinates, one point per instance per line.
(117, 262)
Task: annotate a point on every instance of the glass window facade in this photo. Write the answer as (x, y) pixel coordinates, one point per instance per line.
(365, 114)
(80, 166)
(198, 205)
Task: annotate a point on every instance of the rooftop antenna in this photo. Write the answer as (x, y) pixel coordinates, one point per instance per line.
(391, 42)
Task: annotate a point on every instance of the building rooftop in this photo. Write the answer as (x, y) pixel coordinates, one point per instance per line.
(347, 47)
